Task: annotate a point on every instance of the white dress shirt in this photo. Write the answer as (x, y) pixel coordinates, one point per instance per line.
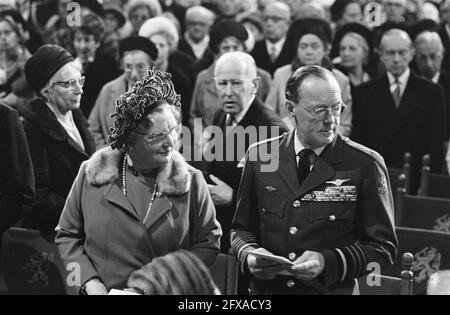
(436, 77)
(276, 47)
(198, 48)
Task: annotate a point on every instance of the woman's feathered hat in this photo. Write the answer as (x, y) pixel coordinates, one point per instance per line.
(135, 104)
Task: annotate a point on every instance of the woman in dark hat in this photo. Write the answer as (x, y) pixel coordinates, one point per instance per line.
(139, 199)
(346, 11)
(354, 44)
(56, 131)
(138, 55)
(312, 38)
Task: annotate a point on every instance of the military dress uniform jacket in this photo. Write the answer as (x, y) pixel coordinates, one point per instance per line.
(344, 210)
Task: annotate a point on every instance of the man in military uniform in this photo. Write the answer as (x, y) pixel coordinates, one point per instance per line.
(328, 209)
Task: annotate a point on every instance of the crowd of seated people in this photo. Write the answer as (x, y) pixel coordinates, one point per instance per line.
(77, 77)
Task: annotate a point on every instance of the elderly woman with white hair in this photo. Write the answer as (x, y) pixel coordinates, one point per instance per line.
(56, 131)
(140, 11)
(164, 34)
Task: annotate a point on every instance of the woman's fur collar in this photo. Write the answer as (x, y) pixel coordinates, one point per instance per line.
(174, 178)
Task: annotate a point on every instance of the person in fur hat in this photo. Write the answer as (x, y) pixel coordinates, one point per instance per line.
(139, 199)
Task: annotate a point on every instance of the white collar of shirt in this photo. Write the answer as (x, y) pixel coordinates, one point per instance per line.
(198, 48)
(298, 147)
(436, 77)
(238, 118)
(403, 79)
(69, 126)
(278, 45)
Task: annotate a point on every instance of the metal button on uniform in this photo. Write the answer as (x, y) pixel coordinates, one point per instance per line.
(297, 204)
(290, 284)
(293, 230)
(332, 218)
(292, 256)
(263, 210)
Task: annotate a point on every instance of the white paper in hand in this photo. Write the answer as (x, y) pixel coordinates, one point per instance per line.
(278, 259)
(120, 292)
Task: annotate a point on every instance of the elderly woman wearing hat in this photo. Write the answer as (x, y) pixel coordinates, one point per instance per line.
(140, 199)
(56, 131)
(14, 90)
(313, 38)
(138, 55)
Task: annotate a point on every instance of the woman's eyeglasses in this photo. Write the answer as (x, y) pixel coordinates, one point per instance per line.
(159, 137)
(71, 83)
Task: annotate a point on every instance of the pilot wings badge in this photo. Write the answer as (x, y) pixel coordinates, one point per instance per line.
(338, 182)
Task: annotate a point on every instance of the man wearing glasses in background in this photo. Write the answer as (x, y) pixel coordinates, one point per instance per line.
(272, 52)
(56, 132)
(328, 209)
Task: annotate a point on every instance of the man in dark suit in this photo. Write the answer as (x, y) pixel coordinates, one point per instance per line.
(196, 39)
(401, 112)
(327, 208)
(445, 36)
(243, 120)
(429, 56)
(272, 52)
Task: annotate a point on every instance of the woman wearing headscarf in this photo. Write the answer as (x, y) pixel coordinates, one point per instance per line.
(313, 40)
(14, 90)
(139, 199)
(56, 131)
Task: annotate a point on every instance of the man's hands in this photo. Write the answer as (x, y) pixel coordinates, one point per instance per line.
(264, 269)
(309, 266)
(221, 193)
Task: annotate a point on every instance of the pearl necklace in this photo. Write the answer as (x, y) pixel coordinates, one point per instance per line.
(156, 192)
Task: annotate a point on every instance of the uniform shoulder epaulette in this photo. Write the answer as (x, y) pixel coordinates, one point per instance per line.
(258, 144)
(373, 154)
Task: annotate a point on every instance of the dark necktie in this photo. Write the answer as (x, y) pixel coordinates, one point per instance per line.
(304, 165)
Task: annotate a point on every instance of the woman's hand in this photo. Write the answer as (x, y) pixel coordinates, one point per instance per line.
(95, 287)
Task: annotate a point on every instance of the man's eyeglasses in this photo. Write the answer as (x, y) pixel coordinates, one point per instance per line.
(71, 83)
(159, 137)
(320, 111)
